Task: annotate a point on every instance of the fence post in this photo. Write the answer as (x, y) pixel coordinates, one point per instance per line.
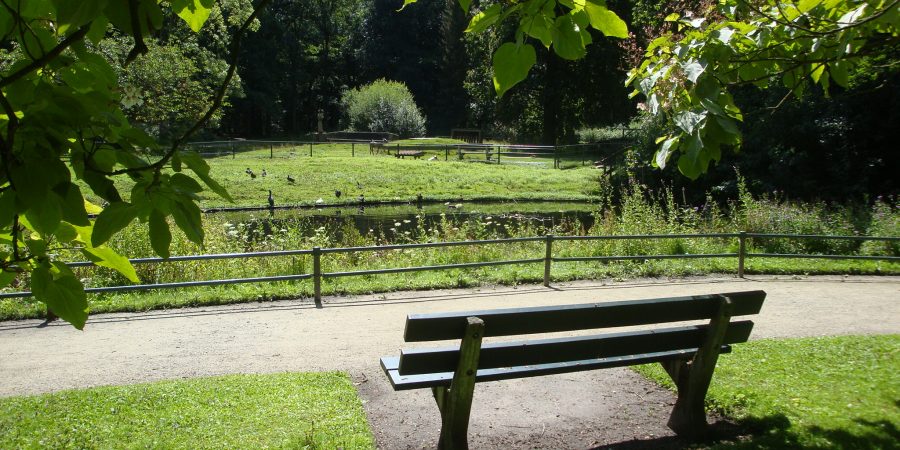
(310, 149)
(548, 258)
(352, 149)
(232, 150)
(317, 276)
(446, 153)
(271, 151)
(742, 252)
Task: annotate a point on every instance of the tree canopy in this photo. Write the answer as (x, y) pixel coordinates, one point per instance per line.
(62, 120)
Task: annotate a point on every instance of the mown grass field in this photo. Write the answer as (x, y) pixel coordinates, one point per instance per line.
(382, 177)
(286, 410)
(824, 392)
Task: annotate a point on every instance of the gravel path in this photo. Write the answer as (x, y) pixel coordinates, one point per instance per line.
(579, 410)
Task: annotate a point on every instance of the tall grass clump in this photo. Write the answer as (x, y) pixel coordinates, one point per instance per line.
(884, 222)
(772, 215)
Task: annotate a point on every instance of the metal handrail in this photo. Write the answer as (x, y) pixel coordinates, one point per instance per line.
(317, 274)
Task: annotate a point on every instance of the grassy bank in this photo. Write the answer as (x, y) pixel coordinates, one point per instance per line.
(828, 392)
(290, 410)
(639, 213)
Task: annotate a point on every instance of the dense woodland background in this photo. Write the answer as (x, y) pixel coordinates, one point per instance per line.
(304, 55)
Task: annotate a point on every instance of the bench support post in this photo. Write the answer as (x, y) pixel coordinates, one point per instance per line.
(688, 418)
(455, 402)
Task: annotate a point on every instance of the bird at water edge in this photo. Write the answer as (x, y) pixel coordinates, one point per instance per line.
(271, 200)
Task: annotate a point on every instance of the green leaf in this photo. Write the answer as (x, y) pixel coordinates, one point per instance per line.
(201, 168)
(688, 120)
(665, 151)
(511, 65)
(606, 21)
(71, 14)
(689, 164)
(7, 208)
(538, 26)
(693, 69)
(46, 215)
(410, 2)
(485, 19)
(106, 257)
(6, 278)
(113, 219)
(194, 12)
(72, 204)
(62, 292)
(187, 217)
(806, 5)
(160, 236)
(464, 4)
(568, 38)
(98, 29)
(66, 232)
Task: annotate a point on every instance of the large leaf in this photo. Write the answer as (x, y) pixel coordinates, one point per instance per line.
(485, 19)
(688, 120)
(62, 292)
(106, 257)
(511, 65)
(194, 12)
(201, 168)
(6, 277)
(606, 21)
(114, 218)
(71, 14)
(160, 236)
(665, 151)
(187, 217)
(569, 40)
(46, 215)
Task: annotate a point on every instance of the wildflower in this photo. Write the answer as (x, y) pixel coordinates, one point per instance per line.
(396, 224)
(405, 221)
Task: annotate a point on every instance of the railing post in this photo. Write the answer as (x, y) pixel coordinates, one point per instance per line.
(446, 153)
(271, 151)
(310, 149)
(742, 252)
(352, 149)
(548, 258)
(317, 276)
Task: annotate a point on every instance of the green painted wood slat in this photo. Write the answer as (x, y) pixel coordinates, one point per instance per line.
(407, 382)
(548, 319)
(555, 350)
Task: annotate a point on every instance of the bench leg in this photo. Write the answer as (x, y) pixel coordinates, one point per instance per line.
(455, 402)
(688, 418)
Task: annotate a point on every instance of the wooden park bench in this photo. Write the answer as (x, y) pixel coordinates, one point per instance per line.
(402, 153)
(688, 353)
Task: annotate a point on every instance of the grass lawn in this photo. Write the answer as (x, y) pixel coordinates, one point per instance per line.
(827, 392)
(295, 410)
(381, 177)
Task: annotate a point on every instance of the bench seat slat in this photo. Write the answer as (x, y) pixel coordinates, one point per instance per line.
(549, 319)
(573, 348)
(407, 382)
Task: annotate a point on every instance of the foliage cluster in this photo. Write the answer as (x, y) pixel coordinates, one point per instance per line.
(821, 392)
(384, 105)
(287, 410)
(62, 128)
(688, 78)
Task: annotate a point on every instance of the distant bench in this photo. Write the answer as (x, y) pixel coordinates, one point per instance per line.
(399, 151)
(688, 353)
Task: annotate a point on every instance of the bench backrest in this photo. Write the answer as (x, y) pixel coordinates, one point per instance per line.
(566, 318)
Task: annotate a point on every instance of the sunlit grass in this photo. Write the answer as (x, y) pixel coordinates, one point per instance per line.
(287, 410)
(824, 392)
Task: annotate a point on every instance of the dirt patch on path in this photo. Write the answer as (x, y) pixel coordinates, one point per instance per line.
(581, 410)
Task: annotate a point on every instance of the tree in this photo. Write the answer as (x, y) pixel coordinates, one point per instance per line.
(689, 78)
(61, 122)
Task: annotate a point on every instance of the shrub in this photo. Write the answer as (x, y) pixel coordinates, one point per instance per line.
(384, 106)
